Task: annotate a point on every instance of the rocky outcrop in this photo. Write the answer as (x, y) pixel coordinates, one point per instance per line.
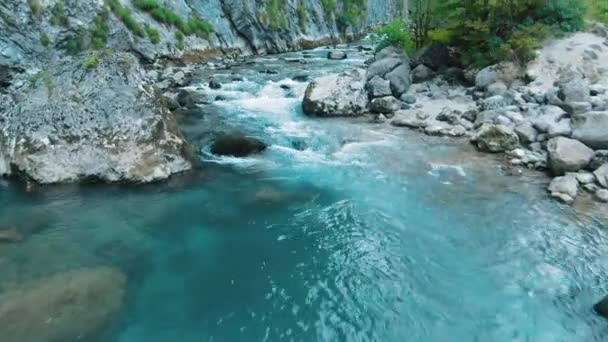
(68, 306)
(102, 122)
(337, 95)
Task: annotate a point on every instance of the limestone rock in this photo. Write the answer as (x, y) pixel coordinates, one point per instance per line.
(337, 95)
(496, 138)
(591, 128)
(378, 87)
(102, 123)
(601, 175)
(564, 188)
(567, 155)
(400, 80)
(421, 73)
(384, 105)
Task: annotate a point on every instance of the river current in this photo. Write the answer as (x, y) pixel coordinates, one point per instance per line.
(342, 230)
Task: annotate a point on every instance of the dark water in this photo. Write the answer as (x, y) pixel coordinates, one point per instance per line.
(340, 231)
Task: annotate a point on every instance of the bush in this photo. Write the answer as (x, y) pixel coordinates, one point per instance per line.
(352, 12)
(35, 7)
(75, 44)
(302, 16)
(329, 6)
(100, 30)
(44, 39)
(58, 15)
(396, 33)
(92, 61)
(564, 15)
(167, 16)
(153, 35)
(124, 14)
(179, 36)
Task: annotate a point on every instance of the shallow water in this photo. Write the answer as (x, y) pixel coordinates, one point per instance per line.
(341, 231)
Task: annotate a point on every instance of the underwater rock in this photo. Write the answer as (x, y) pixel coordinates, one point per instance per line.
(67, 306)
(601, 307)
(10, 235)
(236, 144)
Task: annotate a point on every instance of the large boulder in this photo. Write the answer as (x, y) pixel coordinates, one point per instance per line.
(71, 306)
(435, 56)
(336, 55)
(384, 105)
(564, 188)
(592, 129)
(567, 155)
(601, 175)
(378, 87)
(573, 87)
(421, 73)
(496, 138)
(100, 122)
(400, 80)
(336, 95)
(236, 144)
(190, 98)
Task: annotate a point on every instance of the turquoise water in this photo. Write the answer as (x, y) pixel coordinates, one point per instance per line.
(341, 231)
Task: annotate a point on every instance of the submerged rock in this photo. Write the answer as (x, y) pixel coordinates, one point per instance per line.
(214, 83)
(337, 55)
(601, 308)
(236, 145)
(567, 155)
(337, 95)
(103, 123)
(68, 306)
(10, 235)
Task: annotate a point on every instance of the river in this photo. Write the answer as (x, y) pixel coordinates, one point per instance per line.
(342, 230)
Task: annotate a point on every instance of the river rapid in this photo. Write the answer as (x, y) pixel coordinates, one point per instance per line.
(342, 230)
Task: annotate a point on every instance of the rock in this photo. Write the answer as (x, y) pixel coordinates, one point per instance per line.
(493, 102)
(584, 177)
(337, 55)
(567, 155)
(435, 56)
(449, 115)
(496, 138)
(179, 79)
(300, 78)
(455, 75)
(573, 87)
(399, 79)
(409, 122)
(564, 185)
(422, 115)
(170, 103)
(337, 95)
(408, 98)
(384, 105)
(487, 76)
(470, 115)
(496, 88)
(378, 87)
(10, 235)
(602, 195)
(600, 158)
(601, 175)
(71, 306)
(421, 73)
(236, 145)
(189, 98)
(561, 128)
(599, 29)
(383, 67)
(214, 83)
(591, 129)
(103, 123)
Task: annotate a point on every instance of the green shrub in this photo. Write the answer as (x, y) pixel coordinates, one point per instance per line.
(198, 27)
(35, 7)
(92, 61)
(179, 36)
(58, 14)
(124, 14)
(75, 44)
(44, 39)
(329, 6)
(396, 33)
(153, 34)
(167, 16)
(302, 16)
(100, 30)
(352, 13)
(565, 15)
(45, 76)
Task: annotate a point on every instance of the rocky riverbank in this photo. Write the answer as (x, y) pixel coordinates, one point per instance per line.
(550, 115)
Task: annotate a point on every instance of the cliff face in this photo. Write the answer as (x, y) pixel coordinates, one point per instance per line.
(36, 31)
(75, 103)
